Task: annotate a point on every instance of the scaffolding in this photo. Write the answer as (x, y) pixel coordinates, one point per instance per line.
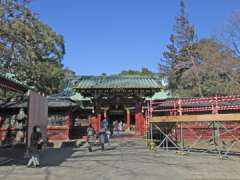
(208, 124)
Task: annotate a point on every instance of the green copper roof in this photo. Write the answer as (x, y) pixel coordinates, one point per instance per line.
(68, 91)
(160, 95)
(105, 82)
(79, 97)
(11, 78)
(112, 82)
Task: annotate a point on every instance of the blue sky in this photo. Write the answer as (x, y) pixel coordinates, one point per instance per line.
(114, 35)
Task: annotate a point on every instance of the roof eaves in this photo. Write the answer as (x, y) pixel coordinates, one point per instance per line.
(11, 78)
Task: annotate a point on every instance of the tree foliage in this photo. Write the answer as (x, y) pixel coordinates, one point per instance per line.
(181, 57)
(47, 77)
(29, 48)
(231, 34)
(25, 37)
(198, 67)
(143, 72)
(219, 70)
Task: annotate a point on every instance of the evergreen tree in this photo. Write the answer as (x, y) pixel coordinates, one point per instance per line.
(180, 60)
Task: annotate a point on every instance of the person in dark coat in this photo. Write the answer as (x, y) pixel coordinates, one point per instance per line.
(102, 137)
(104, 124)
(103, 133)
(35, 147)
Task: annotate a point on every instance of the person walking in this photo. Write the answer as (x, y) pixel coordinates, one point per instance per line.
(35, 147)
(102, 137)
(103, 134)
(105, 125)
(90, 137)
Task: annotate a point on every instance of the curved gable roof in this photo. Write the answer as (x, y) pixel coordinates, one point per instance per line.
(8, 81)
(117, 82)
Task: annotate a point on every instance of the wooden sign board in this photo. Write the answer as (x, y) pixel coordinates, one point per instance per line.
(37, 114)
(196, 118)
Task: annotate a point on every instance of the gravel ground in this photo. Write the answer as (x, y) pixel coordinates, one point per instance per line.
(124, 159)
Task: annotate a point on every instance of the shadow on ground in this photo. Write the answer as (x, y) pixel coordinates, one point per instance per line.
(48, 157)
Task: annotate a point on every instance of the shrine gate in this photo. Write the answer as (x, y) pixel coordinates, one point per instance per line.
(118, 98)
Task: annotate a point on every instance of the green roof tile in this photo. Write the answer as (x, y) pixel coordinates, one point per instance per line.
(12, 78)
(105, 82)
(112, 82)
(161, 95)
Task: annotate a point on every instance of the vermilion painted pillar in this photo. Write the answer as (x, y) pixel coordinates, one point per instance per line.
(68, 120)
(136, 123)
(94, 122)
(139, 123)
(68, 126)
(128, 119)
(99, 120)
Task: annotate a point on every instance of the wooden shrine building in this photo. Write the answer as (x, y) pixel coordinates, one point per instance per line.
(117, 98)
(20, 113)
(88, 99)
(9, 125)
(8, 82)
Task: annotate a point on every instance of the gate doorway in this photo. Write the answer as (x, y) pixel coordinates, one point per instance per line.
(118, 98)
(121, 118)
(114, 115)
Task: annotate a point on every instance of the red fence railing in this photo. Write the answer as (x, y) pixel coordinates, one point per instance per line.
(190, 105)
(205, 105)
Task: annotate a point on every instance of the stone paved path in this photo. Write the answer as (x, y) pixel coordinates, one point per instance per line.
(125, 159)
